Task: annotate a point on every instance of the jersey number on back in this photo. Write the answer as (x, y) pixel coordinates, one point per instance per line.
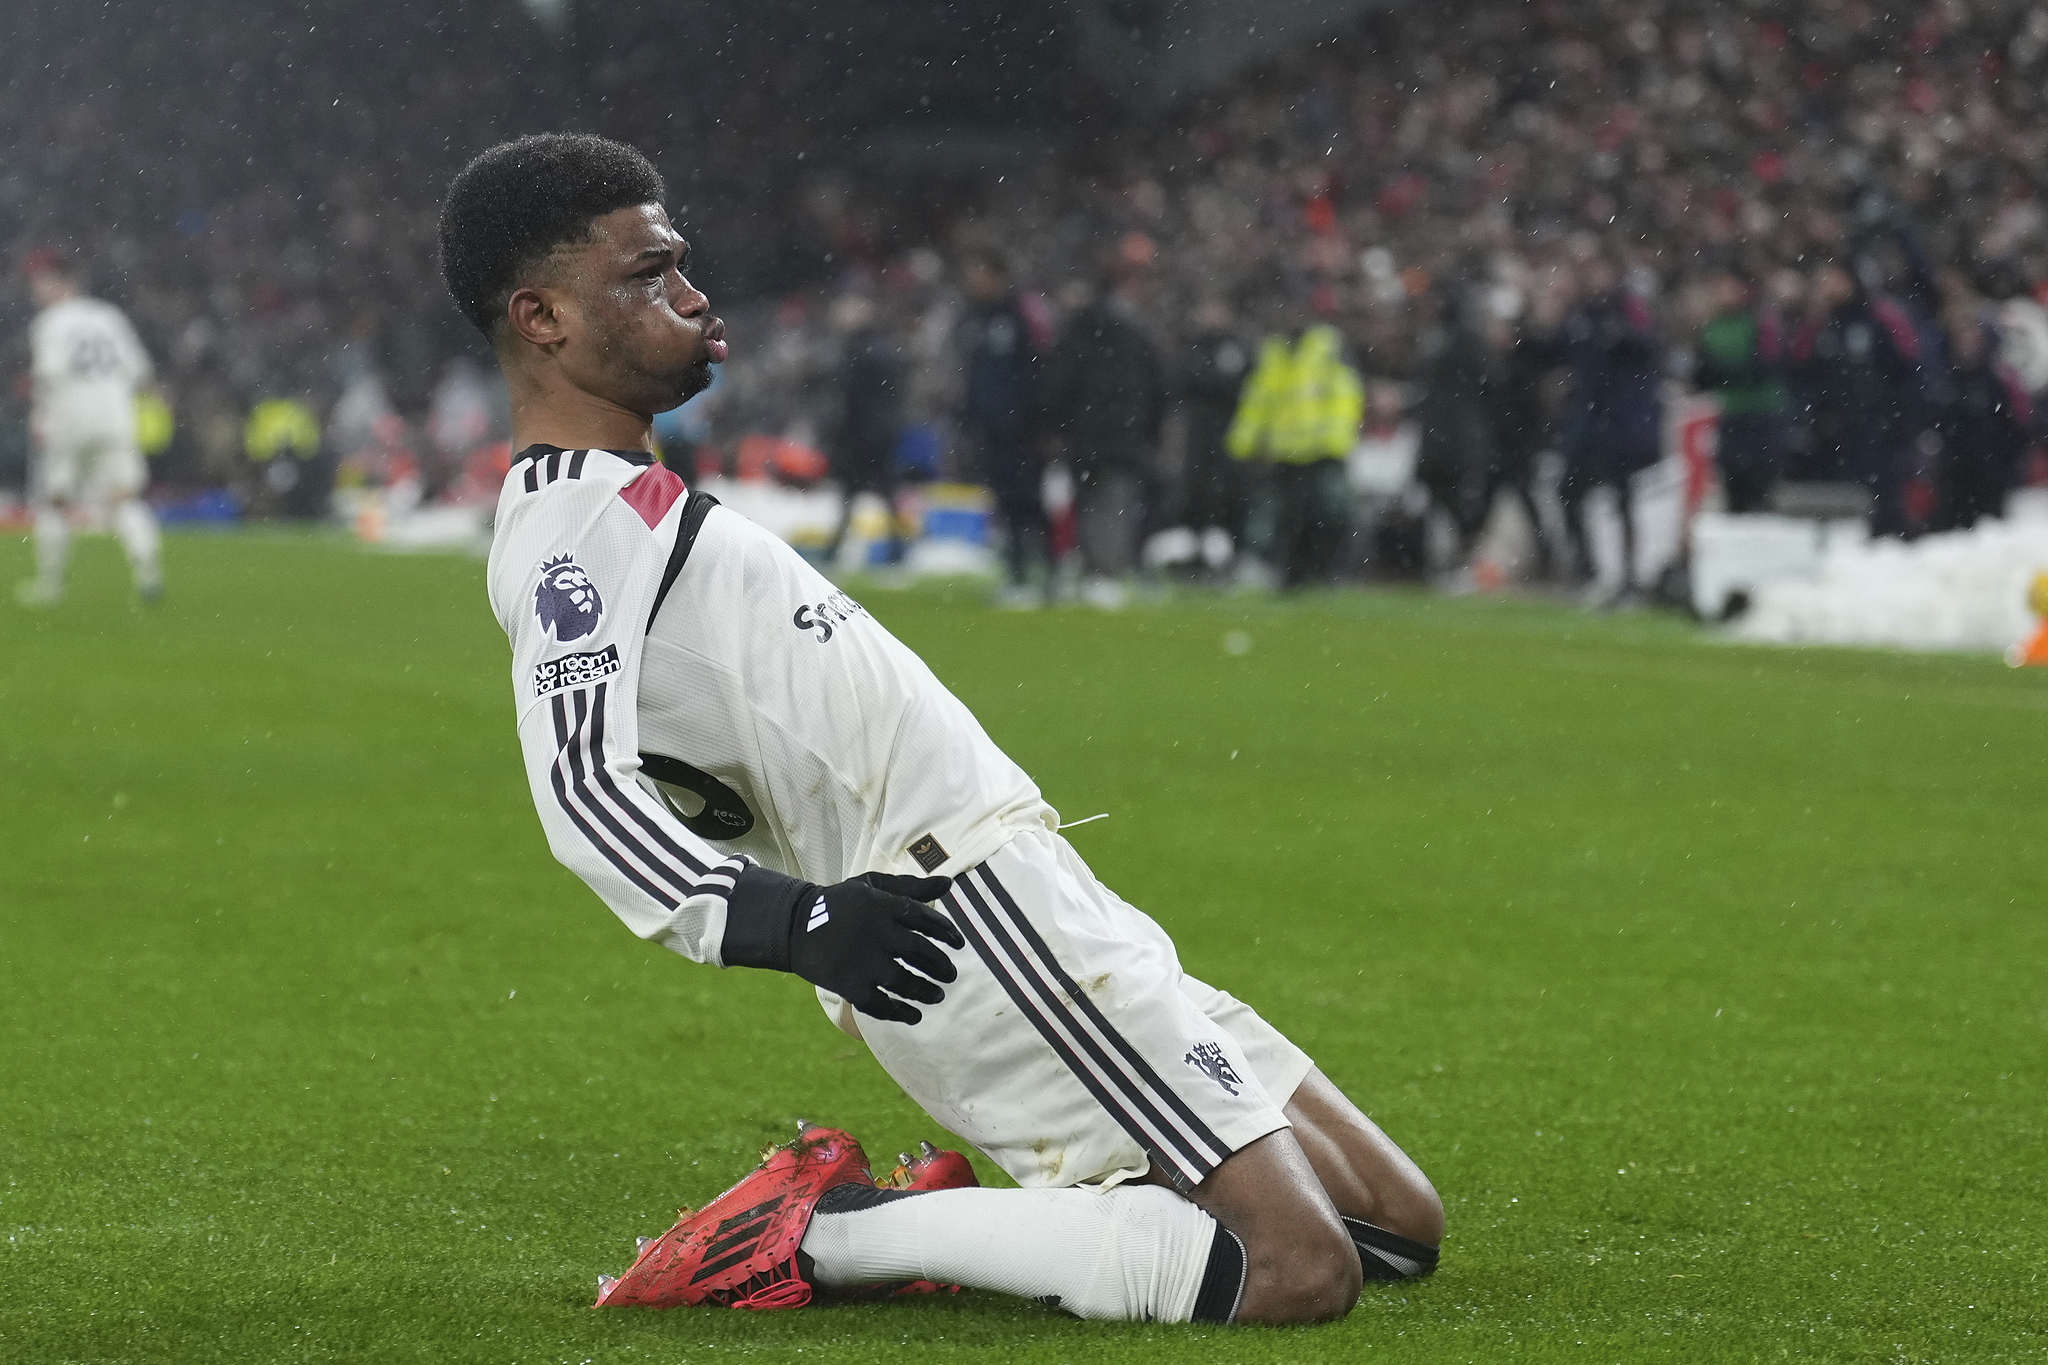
(95, 357)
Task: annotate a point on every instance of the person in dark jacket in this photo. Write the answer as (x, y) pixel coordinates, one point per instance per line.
(1459, 451)
(1985, 420)
(1614, 421)
(1741, 363)
(870, 416)
(998, 414)
(1212, 374)
(1524, 404)
(1106, 394)
(1856, 362)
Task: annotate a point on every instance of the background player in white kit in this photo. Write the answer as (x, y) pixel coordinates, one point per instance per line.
(750, 770)
(86, 364)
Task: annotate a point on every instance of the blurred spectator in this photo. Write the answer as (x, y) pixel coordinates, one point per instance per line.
(1984, 418)
(468, 410)
(358, 415)
(869, 420)
(1300, 416)
(998, 415)
(1527, 398)
(282, 439)
(1741, 363)
(156, 426)
(1614, 424)
(1214, 365)
(1106, 393)
(1459, 457)
(1855, 360)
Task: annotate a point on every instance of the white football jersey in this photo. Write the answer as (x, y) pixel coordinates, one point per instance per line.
(691, 694)
(87, 364)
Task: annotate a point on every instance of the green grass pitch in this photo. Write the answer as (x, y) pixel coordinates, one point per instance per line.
(1707, 982)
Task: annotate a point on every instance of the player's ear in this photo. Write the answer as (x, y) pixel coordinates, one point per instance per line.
(534, 316)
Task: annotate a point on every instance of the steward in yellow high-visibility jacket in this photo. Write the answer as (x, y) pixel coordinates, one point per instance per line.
(1302, 402)
(155, 423)
(1301, 411)
(282, 437)
(281, 426)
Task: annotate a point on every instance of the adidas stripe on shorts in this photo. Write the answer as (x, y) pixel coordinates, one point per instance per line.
(1073, 1049)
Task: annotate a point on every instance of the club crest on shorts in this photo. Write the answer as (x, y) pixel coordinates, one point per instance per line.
(566, 600)
(1208, 1059)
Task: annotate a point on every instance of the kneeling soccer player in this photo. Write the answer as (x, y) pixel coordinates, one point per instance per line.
(751, 770)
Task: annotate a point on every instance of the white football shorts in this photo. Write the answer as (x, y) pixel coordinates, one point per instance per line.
(91, 468)
(1073, 1050)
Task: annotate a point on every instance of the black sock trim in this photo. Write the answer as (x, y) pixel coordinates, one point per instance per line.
(1222, 1279)
(851, 1197)
(1372, 1241)
(856, 1195)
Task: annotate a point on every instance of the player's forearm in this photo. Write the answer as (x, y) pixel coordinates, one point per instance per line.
(663, 882)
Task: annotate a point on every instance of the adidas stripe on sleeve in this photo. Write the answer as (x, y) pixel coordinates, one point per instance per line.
(583, 540)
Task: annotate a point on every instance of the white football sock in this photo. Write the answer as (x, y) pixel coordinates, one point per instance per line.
(135, 524)
(53, 546)
(1137, 1252)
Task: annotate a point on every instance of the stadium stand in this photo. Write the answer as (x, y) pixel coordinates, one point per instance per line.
(261, 198)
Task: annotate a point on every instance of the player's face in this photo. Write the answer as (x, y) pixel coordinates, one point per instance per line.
(637, 332)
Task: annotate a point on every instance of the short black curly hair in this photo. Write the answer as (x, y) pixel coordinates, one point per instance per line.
(513, 204)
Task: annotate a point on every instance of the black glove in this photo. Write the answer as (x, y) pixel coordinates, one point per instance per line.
(853, 939)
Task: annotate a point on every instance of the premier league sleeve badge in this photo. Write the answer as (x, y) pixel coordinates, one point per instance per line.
(566, 601)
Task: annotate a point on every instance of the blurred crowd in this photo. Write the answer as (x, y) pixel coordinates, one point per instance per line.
(258, 186)
(1521, 228)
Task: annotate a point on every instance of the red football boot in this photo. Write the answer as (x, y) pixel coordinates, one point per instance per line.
(931, 1169)
(740, 1250)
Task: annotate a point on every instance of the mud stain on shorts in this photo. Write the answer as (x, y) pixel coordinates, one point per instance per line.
(1051, 1158)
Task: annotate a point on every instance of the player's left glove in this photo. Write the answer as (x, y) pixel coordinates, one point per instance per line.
(860, 939)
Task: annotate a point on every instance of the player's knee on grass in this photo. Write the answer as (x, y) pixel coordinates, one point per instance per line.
(1300, 1262)
(1299, 1272)
(1384, 1255)
(1366, 1175)
(1400, 1240)
(1410, 1207)
(1396, 1221)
